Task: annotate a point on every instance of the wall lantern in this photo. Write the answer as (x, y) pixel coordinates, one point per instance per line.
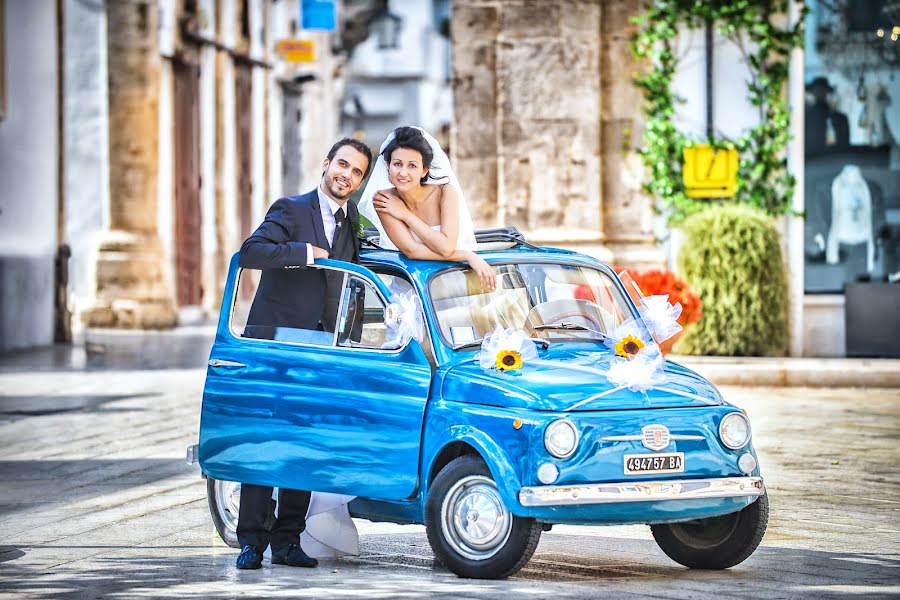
(387, 28)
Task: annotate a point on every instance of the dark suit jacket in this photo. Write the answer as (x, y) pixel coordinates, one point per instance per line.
(289, 294)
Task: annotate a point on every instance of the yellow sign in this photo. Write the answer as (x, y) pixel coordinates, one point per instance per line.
(296, 51)
(710, 172)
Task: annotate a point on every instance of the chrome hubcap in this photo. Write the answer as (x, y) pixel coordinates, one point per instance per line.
(474, 519)
(228, 502)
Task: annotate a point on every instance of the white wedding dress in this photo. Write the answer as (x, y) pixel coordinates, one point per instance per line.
(330, 532)
(440, 172)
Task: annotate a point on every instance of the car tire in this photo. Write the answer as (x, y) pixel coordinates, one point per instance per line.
(716, 542)
(223, 498)
(461, 494)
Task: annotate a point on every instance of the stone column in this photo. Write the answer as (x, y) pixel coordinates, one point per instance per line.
(131, 290)
(627, 211)
(547, 118)
(527, 91)
(474, 144)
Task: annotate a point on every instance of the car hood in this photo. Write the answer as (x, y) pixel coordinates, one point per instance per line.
(572, 379)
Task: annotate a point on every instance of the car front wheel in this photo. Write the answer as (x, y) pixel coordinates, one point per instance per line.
(469, 527)
(716, 542)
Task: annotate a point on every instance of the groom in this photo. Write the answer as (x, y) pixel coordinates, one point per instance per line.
(297, 230)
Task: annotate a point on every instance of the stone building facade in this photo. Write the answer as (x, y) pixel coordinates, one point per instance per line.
(546, 120)
(141, 141)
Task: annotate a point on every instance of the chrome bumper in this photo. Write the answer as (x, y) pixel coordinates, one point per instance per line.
(641, 491)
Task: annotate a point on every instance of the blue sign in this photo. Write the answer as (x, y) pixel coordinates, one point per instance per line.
(317, 14)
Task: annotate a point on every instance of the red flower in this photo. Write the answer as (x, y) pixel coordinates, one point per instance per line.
(655, 281)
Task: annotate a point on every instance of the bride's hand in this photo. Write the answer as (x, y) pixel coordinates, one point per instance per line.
(391, 204)
(485, 271)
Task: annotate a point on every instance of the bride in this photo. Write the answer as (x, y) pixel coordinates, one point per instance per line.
(415, 201)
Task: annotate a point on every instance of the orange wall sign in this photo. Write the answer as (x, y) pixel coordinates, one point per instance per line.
(296, 51)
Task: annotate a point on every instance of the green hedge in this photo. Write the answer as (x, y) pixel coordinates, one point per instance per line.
(731, 256)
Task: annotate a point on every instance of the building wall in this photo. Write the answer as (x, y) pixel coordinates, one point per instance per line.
(527, 89)
(547, 120)
(28, 176)
(86, 145)
(406, 85)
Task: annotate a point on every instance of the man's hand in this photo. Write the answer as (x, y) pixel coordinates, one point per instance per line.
(319, 252)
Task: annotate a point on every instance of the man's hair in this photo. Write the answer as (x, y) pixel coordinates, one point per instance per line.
(357, 145)
(412, 139)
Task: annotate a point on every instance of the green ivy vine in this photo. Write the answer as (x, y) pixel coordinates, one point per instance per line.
(763, 177)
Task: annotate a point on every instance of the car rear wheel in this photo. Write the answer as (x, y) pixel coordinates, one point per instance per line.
(469, 527)
(224, 498)
(717, 542)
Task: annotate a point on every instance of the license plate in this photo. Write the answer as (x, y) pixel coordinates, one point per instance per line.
(641, 464)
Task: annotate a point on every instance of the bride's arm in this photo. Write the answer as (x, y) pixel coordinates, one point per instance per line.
(444, 241)
(441, 242)
(399, 233)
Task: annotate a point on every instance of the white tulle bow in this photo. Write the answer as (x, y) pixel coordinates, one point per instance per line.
(660, 316)
(643, 365)
(640, 373)
(403, 318)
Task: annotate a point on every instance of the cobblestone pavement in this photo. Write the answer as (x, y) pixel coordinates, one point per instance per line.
(96, 501)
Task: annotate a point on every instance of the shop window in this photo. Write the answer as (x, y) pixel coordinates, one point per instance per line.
(852, 141)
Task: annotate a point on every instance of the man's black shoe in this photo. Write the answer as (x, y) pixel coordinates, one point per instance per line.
(293, 556)
(249, 558)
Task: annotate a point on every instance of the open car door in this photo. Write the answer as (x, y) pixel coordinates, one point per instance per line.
(330, 411)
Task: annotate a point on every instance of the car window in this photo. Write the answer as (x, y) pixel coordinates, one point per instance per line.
(546, 300)
(361, 324)
(397, 285)
(317, 306)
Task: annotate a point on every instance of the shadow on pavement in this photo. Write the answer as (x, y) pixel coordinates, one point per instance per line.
(35, 406)
(165, 572)
(122, 351)
(30, 483)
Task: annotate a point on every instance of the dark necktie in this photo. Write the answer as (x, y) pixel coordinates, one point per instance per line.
(340, 228)
(341, 249)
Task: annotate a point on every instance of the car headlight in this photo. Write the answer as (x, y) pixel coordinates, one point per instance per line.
(561, 438)
(734, 430)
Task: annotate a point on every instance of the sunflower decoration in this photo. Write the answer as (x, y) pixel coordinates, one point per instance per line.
(509, 360)
(629, 346)
(506, 350)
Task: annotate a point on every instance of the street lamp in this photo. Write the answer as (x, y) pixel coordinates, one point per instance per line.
(387, 28)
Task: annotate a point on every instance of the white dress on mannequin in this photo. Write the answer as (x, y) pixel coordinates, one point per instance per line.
(851, 215)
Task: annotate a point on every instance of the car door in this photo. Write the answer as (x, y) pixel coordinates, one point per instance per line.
(332, 411)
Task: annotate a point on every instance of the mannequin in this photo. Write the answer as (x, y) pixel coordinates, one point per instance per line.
(851, 215)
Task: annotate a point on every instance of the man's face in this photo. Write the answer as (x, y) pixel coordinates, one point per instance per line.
(343, 173)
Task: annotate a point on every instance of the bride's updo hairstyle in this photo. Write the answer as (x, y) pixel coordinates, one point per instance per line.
(412, 139)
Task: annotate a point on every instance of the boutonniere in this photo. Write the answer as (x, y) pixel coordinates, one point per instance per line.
(361, 225)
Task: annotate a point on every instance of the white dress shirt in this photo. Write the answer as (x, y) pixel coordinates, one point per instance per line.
(328, 207)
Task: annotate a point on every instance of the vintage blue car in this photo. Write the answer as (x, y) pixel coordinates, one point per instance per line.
(486, 459)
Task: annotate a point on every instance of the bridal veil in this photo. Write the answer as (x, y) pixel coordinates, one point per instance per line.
(440, 172)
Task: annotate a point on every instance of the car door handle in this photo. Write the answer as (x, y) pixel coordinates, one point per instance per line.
(217, 362)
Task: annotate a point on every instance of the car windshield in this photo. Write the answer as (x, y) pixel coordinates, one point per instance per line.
(547, 301)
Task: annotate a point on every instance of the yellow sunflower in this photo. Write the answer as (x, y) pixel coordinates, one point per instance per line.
(508, 360)
(629, 346)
